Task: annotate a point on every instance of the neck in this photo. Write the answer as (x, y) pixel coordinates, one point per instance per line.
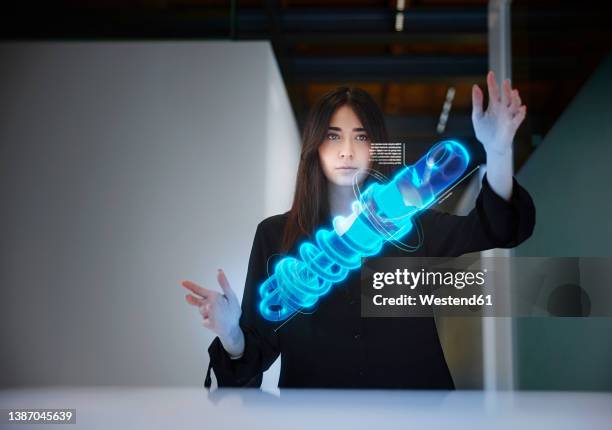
(340, 199)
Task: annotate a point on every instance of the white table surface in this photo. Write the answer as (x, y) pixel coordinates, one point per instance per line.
(186, 408)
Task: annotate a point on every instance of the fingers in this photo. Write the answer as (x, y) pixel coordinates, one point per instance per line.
(516, 102)
(493, 89)
(222, 280)
(495, 98)
(206, 300)
(206, 311)
(510, 98)
(207, 321)
(477, 99)
(517, 97)
(517, 111)
(520, 116)
(196, 289)
(193, 300)
(507, 93)
(225, 286)
(210, 302)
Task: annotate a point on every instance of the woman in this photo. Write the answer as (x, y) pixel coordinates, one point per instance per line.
(334, 347)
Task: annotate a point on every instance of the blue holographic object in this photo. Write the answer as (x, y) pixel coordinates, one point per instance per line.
(383, 212)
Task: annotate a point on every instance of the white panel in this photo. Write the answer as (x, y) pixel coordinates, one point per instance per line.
(124, 168)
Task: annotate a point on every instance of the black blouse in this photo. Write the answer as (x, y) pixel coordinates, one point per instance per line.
(334, 347)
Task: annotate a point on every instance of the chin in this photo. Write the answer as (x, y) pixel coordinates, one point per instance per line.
(347, 181)
(342, 182)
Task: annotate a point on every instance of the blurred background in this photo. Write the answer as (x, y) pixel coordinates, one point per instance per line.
(142, 141)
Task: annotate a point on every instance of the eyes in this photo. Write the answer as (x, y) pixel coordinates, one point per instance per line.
(359, 137)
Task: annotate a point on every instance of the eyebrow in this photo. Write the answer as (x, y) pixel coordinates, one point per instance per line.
(339, 129)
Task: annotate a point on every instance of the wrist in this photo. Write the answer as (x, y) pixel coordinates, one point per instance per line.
(500, 173)
(500, 161)
(499, 148)
(233, 341)
(499, 153)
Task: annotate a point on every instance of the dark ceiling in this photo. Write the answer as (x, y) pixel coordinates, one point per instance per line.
(322, 44)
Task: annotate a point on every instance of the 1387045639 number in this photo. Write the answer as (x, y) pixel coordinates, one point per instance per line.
(40, 416)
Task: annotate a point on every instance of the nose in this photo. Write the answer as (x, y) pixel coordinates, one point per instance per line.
(346, 150)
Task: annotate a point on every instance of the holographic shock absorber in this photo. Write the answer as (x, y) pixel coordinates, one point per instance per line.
(382, 213)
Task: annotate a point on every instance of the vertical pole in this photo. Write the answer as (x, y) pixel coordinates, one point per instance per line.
(497, 332)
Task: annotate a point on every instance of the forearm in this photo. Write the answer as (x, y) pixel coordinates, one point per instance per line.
(500, 172)
(233, 343)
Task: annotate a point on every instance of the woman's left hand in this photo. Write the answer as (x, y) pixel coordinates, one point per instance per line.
(495, 128)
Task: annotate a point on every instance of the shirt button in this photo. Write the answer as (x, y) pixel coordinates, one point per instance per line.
(357, 336)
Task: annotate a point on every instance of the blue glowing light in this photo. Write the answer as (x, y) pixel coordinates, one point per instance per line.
(383, 212)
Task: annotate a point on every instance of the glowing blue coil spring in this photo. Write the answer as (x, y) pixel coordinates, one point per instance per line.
(382, 213)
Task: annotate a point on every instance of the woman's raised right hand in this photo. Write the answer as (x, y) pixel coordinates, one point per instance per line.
(220, 311)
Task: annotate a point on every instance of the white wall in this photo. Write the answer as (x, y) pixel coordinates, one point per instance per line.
(124, 168)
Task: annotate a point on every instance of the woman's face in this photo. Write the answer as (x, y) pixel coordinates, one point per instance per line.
(345, 151)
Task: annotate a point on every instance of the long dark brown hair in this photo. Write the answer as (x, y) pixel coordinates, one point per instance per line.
(310, 206)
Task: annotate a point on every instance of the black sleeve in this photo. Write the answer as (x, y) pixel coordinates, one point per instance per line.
(493, 223)
(261, 342)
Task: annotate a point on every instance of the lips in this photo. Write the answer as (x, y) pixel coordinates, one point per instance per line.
(346, 168)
